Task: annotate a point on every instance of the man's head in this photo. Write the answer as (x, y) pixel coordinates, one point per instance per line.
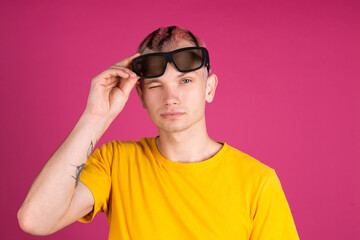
(175, 100)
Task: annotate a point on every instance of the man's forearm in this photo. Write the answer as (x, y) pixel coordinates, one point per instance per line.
(51, 193)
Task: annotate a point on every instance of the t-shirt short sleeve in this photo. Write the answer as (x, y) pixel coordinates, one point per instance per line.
(96, 175)
(272, 219)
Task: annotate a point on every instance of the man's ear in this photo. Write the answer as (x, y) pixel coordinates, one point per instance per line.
(140, 94)
(211, 85)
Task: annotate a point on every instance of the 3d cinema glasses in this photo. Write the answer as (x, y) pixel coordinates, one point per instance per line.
(187, 59)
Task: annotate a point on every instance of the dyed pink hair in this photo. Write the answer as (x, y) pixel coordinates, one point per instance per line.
(165, 36)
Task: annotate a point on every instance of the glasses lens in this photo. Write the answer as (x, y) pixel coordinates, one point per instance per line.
(188, 60)
(151, 66)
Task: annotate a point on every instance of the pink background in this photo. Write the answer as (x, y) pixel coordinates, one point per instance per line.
(288, 94)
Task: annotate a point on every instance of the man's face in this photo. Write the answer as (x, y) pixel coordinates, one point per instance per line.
(176, 101)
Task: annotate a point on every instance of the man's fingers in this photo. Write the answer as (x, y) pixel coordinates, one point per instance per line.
(128, 85)
(131, 73)
(112, 73)
(127, 61)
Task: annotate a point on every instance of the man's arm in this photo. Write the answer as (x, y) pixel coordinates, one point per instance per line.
(57, 198)
(273, 218)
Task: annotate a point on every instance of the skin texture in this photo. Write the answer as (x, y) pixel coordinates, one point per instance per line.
(175, 92)
(182, 137)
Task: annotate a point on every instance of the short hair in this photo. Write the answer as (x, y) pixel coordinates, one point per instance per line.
(165, 36)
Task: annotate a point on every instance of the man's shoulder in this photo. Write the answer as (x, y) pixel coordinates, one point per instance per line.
(246, 162)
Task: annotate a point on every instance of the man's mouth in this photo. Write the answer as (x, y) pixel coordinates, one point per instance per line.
(171, 115)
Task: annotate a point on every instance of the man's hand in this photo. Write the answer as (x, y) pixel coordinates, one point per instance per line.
(110, 90)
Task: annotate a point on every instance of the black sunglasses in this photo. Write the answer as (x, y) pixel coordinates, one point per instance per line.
(184, 59)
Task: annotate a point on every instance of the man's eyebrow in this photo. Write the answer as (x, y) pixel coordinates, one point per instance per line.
(147, 82)
(181, 74)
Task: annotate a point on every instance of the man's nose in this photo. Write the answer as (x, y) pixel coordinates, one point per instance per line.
(171, 95)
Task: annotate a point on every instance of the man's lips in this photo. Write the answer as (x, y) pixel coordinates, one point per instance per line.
(171, 115)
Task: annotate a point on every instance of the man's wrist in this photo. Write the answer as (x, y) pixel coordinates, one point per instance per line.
(98, 125)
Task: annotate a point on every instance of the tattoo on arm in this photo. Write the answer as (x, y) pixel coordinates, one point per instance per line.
(81, 167)
(78, 172)
(89, 151)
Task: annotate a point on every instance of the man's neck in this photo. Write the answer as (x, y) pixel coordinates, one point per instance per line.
(191, 145)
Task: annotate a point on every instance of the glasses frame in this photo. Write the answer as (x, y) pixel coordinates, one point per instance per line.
(169, 59)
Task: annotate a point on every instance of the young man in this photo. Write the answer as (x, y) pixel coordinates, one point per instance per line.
(178, 185)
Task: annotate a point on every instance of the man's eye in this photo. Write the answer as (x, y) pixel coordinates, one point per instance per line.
(154, 86)
(186, 80)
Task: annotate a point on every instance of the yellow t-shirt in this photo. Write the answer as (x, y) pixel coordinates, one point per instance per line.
(146, 196)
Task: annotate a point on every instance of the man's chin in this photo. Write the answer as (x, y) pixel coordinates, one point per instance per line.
(174, 128)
